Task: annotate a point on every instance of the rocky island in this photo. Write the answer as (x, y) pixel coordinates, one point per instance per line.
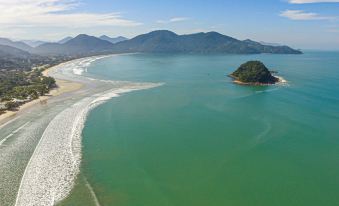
(254, 73)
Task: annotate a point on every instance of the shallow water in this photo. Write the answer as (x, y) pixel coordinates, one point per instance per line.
(40, 149)
(201, 140)
(192, 138)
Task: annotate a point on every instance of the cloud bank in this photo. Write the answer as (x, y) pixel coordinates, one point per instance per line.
(56, 13)
(302, 15)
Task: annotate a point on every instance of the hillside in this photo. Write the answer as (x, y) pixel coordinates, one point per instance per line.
(161, 42)
(15, 44)
(113, 40)
(80, 45)
(64, 40)
(10, 52)
(211, 42)
(13, 58)
(16, 59)
(33, 43)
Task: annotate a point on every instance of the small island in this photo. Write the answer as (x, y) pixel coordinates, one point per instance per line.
(254, 73)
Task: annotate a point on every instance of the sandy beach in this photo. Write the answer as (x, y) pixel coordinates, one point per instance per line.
(63, 86)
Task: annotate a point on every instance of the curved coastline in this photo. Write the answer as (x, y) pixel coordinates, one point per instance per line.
(63, 85)
(52, 169)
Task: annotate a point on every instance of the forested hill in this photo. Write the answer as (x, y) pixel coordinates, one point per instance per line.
(15, 59)
(15, 44)
(81, 45)
(212, 42)
(161, 42)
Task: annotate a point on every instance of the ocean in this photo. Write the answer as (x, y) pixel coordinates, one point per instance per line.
(174, 130)
(199, 139)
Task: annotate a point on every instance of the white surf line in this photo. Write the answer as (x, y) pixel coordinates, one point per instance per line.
(14, 132)
(51, 170)
(50, 173)
(46, 162)
(21, 183)
(282, 81)
(96, 201)
(10, 121)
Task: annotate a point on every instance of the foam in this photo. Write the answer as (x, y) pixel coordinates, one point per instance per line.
(52, 169)
(124, 89)
(282, 81)
(80, 66)
(50, 174)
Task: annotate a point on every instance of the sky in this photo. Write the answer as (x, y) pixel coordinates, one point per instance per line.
(303, 24)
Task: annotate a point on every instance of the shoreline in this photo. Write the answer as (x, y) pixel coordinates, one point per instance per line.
(58, 153)
(281, 80)
(62, 87)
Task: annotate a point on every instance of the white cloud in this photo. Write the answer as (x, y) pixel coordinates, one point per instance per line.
(311, 1)
(302, 15)
(178, 19)
(173, 20)
(55, 13)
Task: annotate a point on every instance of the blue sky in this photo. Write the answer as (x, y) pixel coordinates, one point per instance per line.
(306, 24)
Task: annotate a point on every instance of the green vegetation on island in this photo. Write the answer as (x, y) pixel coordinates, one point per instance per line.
(253, 72)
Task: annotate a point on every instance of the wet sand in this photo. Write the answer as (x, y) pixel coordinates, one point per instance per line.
(63, 86)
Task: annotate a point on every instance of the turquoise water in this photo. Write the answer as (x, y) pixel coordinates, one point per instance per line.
(201, 140)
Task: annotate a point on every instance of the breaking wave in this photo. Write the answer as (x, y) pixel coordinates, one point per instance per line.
(80, 66)
(282, 81)
(51, 172)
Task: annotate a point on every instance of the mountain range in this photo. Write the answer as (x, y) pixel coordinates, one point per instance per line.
(211, 42)
(103, 37)
(81, 45)
(64, 40)
(113, 40)
(12, 58)
(161, 41)
(16, 44)
(9, 52)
